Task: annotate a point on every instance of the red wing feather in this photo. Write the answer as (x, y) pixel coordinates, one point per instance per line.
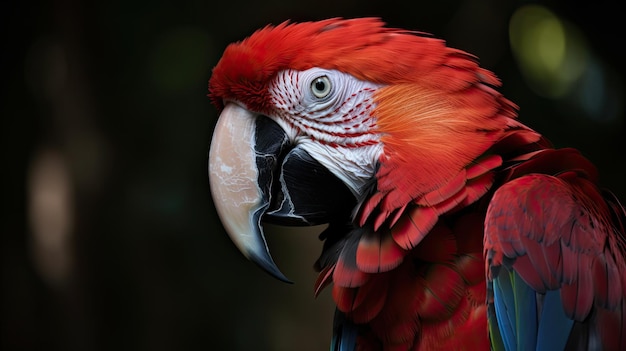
(378, 252)
(477, 187)
(445, 192)
(483, 166)
(347, 274)
(470, 270)
(324, 278)
(370, 299)
(552, 161)
(414, 226)
(344, 298)
(558, 232)
(369, 206)
(443, 291)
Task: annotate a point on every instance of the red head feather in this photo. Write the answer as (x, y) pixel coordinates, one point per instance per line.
(361, 47)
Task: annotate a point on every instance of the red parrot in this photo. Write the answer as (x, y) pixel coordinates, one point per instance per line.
(451, 225)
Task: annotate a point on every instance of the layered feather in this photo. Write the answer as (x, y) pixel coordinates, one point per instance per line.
(565, 240)
(410, 271)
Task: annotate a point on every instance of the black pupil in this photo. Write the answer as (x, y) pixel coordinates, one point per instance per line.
(320, 85)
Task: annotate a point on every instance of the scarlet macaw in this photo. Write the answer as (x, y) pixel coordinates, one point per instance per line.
(451, 225)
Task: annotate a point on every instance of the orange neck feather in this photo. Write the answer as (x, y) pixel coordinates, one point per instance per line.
(431, 134)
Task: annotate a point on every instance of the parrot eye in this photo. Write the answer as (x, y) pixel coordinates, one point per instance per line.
(321, 87)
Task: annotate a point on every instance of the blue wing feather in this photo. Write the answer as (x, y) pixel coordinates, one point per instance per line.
(525, 312)
(504, 303)
(516, 307)
(344, 333)
(555, 327)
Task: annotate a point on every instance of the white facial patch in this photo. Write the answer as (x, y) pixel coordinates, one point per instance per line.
(329, 114)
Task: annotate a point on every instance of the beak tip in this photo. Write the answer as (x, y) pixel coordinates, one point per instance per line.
(268, 265)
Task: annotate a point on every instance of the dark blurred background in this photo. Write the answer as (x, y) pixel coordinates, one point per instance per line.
(110, 240)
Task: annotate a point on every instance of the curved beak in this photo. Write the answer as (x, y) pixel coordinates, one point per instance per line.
(240, 192)
(256, 175)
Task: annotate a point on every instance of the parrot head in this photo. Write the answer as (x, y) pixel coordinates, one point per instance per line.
(342, 121)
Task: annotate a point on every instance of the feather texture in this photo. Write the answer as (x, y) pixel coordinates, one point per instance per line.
(559, 234)
(474, 232)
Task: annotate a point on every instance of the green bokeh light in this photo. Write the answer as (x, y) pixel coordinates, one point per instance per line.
(551, 54)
